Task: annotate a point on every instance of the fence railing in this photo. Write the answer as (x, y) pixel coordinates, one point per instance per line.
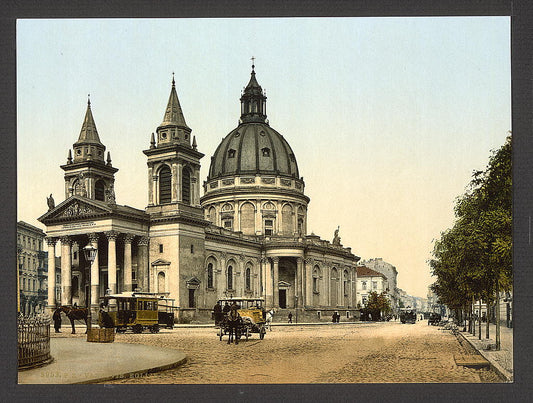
(33, 340)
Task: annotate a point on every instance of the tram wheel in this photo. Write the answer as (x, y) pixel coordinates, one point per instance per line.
(137, 329)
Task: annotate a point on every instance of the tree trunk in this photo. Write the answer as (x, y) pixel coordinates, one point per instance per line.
(487, 334)
(479, 319)
(473, 317)
(497, 314)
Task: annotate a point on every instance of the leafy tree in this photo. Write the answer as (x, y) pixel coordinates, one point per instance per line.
(378, 302)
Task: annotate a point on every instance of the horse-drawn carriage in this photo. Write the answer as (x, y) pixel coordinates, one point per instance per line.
(136, 311)
(250, 317)
(407, 315)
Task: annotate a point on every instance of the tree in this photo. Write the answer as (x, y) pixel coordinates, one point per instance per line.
(473, 259)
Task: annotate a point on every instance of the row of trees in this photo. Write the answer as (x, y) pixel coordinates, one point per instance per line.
(473, 259)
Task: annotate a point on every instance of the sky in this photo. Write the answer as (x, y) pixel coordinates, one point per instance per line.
(387, 117)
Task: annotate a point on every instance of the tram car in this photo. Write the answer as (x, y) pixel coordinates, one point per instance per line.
(136, 311)
(407, 315)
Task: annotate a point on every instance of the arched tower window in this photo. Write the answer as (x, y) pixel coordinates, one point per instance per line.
(99, 190)
(229, 284)
(248, 279)
(165, 184)
(210, 275)
(186, 186)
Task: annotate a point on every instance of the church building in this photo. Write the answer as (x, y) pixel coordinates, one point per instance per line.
(245, 236)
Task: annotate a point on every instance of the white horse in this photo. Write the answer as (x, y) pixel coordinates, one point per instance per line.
(268, 319)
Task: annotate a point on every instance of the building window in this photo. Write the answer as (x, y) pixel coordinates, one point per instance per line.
(345, 282)
(364, 285)
(364, 299)
(229, 284)
(315, 279)
(269, 224)
(248, 278)
(160, 248)
(99, 190)
(186, 186)
(134, 275)
(75, 257)
(192, 248)
(266, 152)
(231, 153)
(210, 275)
(228, 224)
(374, 285)
(165, 184)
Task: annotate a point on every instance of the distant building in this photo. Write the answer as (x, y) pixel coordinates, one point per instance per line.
(391, 282)
(32, 267)
(368, 280)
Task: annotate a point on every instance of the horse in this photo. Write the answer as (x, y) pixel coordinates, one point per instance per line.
(75, 314)
(234, 322)
(268, 319)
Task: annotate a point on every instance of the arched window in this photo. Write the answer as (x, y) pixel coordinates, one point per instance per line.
(248, 219)
(99, 190)
(212, 215)
(248, 279)
(229, 284)
(186, 185)
(161, 282)
(165, 184)
(210, 275)
(345, 282)
(333, 287)
(287, 220)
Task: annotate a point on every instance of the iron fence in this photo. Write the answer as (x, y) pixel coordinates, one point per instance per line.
(33, 340)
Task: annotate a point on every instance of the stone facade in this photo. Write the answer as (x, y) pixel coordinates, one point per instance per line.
(368, 281)
(32, 269)
(391, 281)
(246, 236)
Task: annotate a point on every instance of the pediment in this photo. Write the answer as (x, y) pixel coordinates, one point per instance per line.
(193, 281)
(75, 207)
(160, 262)
(283, 284)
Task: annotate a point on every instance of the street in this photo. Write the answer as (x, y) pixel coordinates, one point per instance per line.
(344, 353)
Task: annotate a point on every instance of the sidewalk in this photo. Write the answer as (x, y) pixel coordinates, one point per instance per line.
(502, 360)
(78, 361)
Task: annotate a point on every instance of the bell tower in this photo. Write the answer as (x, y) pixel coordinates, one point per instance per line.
(88, 174)
(173, 163)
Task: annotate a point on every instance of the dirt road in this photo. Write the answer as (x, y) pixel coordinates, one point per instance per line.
(361, 353)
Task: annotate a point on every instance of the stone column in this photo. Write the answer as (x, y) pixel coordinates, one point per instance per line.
(174, 182)
(150, 185)
(66, 275)
(309, 282)
(197, 187)
(299, 281)
(258, 216)
(142, 264)
(240, 278)
(112, 261)
(177, 184)
(275, 276)
(127, 262)
(326, 279)
(51, 273)
(155, 188)
(267, 270)
(95, 270)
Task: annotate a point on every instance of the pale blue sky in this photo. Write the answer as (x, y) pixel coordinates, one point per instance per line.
(387, 117)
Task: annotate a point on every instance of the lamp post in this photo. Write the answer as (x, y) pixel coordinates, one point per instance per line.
(90, 254)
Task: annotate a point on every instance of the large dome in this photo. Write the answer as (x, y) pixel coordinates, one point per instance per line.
(253, 148)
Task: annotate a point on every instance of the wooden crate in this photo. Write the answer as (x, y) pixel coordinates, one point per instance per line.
(101, 335)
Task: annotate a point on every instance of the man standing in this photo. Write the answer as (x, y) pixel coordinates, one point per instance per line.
(57, 320)
(290, 317)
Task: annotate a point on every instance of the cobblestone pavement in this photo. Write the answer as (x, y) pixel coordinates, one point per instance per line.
(362, 353)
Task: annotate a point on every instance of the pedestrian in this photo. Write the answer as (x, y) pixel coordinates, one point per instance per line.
(57, 320)
(290, 317)
(226, 308)
(217, 313)
(334, 317)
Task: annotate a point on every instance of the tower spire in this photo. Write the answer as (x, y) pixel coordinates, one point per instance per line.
(253, 101)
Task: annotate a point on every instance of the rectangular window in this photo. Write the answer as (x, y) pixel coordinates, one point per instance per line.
(364, 285)
(374, 285)
(75, 255)
(134, 275)
(160, 248)
(268, 231)
(192, 248)
(268, 223)
(228, 224)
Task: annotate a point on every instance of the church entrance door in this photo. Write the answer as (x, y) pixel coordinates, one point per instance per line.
(283, 299)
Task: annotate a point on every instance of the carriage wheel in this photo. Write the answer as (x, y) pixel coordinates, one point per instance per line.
(137, 328)
(262, 332)
(154, 329)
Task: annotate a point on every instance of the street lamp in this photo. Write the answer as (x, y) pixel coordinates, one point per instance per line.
(90, 254)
